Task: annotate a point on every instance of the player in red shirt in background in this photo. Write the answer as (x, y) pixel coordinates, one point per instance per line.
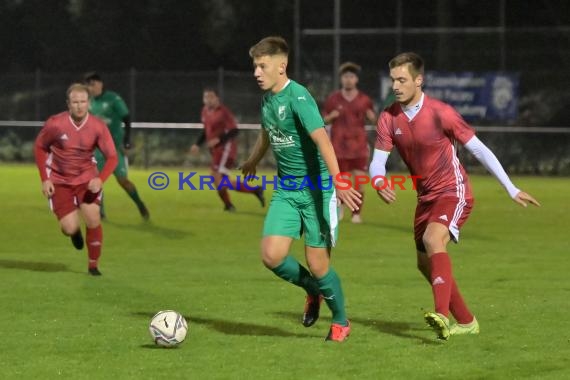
(220, 131)
(348, 109)
(425, 131)
(64, 152)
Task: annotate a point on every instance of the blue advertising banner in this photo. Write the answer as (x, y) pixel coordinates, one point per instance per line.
(476, 96)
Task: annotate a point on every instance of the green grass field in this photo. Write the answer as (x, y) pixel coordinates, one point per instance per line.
(57, 322)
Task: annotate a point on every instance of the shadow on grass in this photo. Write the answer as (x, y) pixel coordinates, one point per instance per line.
(260, 214)
(399, 329)
(368, 223)
(151, 346)
(35, 266)
(470, 234)
(169, 233)
(236, 328)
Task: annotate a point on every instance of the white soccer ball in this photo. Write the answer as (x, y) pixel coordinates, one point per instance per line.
(168, 328)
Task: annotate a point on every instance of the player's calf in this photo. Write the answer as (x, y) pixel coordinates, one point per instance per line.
(77, 240)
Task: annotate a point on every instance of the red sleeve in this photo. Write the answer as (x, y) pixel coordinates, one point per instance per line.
(230, 119)
(455, 126)
(107, 147)
(329, 106)
(369, 104)
(383, 133)
(42, 149)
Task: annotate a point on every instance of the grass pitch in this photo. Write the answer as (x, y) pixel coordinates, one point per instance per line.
(512, 266)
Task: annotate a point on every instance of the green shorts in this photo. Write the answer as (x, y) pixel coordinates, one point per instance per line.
(122, 169)
(310, 212)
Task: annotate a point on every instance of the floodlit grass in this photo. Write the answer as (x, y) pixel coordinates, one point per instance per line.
(512, 265)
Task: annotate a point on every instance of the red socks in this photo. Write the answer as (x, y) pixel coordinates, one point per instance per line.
(94, 242)
(445, 290)
(458, 307)
(225, 196)
(441, 281)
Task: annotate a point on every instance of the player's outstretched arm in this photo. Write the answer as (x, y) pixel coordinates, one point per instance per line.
(377, 171)
(522, 198)
(350, 196)
(248, 168)
(488, 159)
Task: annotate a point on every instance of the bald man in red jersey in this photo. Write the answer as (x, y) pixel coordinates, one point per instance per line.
(64, 155)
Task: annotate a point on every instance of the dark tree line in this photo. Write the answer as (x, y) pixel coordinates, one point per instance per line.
(58, 35)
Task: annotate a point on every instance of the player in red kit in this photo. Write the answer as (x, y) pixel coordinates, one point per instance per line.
(220, 130)
(348, 109)
(425, 131)
(64, 152)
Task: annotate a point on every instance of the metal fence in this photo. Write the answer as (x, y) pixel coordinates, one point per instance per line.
(522, 150)
(177, 96)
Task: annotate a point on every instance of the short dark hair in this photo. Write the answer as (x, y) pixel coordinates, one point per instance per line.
(92, 75)
(414, 60)
(349, 67)
(273, 45)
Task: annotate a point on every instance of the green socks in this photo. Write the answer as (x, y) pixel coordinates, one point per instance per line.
(329, 285)
(135, 197)
(331, 290)
(292, 271)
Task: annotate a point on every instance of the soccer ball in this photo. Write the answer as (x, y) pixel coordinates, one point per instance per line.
(168, 328)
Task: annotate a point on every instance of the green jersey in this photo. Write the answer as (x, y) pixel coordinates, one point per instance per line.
(111, 108)
(289, 117)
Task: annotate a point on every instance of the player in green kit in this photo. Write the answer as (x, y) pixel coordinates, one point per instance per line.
(110, 107)
(292, 125)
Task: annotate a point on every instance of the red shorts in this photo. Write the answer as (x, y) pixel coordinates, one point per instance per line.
(449, 211)
(67, 198)
(350, 164)
(222, 162)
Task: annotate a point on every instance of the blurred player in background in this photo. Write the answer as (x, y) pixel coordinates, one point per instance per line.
(348, 109)
(220, 131)
(292, 124)
(111, 108)
(425, 131)
(64, 155)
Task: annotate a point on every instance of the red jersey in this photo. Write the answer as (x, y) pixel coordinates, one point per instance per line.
(217, 122)
(64, 151)
(427, 145)
(348, 136)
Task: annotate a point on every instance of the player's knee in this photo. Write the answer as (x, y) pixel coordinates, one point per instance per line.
(92, 216)
(70, 224)
(318, 269)
(93, 223)
(432, 242)
(272, 256)
(69, 228)
(269, 259)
